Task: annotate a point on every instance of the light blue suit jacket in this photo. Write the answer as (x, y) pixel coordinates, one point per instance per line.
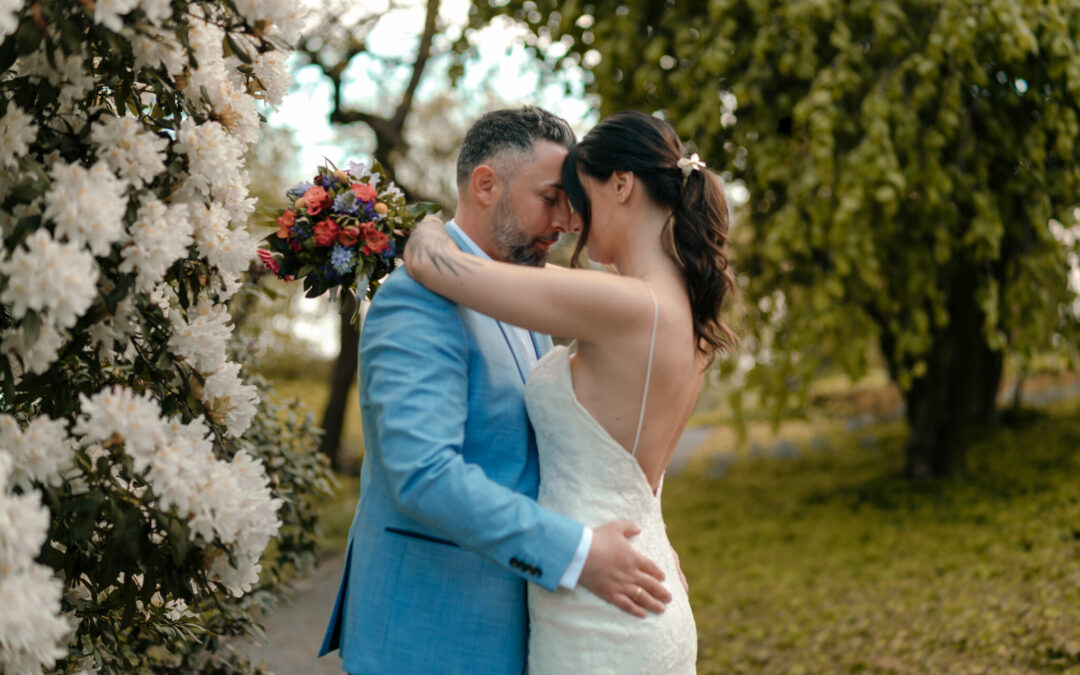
(447, 530)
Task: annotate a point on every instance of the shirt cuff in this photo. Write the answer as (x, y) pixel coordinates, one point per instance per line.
(577, 563)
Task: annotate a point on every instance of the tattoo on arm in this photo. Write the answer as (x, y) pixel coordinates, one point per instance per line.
(433, 248)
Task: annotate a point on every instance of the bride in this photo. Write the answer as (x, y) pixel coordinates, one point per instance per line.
(608, 416)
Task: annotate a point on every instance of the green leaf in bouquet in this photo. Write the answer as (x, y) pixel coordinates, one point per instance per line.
(421, 209)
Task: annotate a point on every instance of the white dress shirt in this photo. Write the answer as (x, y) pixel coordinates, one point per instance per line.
(572, 574)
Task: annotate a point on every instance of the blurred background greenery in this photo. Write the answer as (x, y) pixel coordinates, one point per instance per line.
(888, 483)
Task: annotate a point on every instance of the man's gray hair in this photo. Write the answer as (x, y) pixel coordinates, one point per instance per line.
(500, 131)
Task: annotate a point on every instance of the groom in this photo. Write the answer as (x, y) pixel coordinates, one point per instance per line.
(447, 531)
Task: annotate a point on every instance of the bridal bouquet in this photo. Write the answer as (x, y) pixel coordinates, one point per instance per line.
(342, 231)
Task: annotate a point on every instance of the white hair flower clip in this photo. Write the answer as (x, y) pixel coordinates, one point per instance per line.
(691, 163)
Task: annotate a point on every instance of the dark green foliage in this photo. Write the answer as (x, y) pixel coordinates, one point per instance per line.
(903, 161)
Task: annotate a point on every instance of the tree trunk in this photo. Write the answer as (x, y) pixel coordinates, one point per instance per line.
(340, 382)
(958, 390)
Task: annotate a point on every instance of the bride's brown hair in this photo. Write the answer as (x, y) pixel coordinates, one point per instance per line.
(696, 232)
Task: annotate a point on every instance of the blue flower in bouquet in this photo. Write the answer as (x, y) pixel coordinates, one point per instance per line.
(346, 203)
(366, 212)
(326, 180)
(299, 189)
(342, 259)
(301, 230)
(391, 249)
(330, 274)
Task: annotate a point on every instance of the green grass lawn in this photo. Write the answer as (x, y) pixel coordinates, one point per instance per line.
(832, 563)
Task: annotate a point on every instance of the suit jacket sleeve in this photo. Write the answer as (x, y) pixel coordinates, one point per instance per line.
(414, 379)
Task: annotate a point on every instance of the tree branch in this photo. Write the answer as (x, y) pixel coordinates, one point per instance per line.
(422, 54)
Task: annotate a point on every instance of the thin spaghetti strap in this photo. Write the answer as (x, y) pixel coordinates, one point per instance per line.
(648, 371)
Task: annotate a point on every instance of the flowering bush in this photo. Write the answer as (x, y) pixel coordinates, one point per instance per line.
(342, 230)
(141, 477)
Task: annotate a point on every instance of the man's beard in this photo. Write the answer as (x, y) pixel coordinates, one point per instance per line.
(511, 242)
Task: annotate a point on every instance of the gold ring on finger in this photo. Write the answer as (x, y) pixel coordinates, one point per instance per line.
(637, 593)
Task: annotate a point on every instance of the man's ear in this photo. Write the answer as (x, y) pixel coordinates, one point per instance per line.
(485, 185)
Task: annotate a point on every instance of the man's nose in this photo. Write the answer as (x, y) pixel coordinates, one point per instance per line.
(562, 220)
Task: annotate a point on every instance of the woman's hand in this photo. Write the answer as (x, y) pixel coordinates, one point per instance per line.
(431, 251)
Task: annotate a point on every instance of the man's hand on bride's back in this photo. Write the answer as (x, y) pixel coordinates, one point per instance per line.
(617, 573)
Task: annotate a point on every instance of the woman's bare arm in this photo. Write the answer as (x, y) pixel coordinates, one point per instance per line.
(572, 303)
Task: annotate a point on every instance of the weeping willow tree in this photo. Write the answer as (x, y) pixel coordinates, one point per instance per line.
(912, 168)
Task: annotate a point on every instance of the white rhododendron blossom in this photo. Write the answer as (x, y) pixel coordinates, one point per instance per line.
(87, 205)
(32, 630)
(214, 157)
(201, 336)
(286, 16)
(246, 509)
(109, 13)
(51, 277)
(160, 236)
(137, 155)
(228, 397)
(24, 523)
(229, 250)
(272, 71)
(70, 74)
(32, 349)
(119, 414)
(156, 10)
(230, 284)
(42, 452)
(155, 48)
(107, 334)
(124, 232)
(9, 19)
(239, 579)
(17, 131)
(217, 82)
(234, 196)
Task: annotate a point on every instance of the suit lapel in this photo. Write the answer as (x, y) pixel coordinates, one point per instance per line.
(516, 348)
(512, 341)
(542, 343)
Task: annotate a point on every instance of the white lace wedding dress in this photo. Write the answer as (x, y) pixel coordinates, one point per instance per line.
(587, 475)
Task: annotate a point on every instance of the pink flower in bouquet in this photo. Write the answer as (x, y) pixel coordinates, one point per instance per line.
(285, 223)
(364, 193)
(374, 240)
(268, 259)
(326, 232)
(316, 199)
(349, 235)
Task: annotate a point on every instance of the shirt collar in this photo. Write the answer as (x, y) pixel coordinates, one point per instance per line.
(470, 245)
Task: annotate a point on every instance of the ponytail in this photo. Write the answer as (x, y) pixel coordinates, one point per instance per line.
(697, 231)
(695, 237)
